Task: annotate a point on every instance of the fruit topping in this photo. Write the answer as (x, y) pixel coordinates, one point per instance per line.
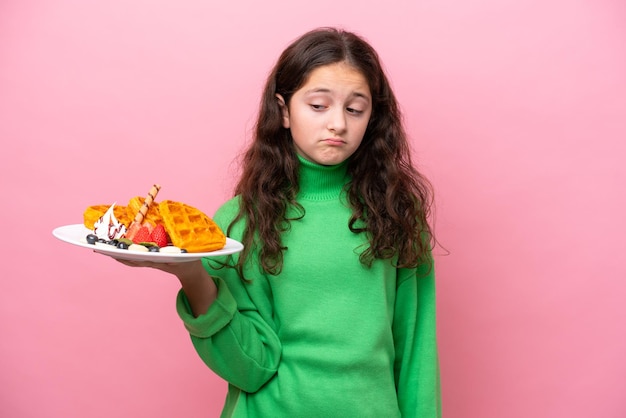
(142, 235)
(159, 236)
(137, 247)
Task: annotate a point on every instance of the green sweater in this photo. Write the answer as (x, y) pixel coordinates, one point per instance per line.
(327, 337)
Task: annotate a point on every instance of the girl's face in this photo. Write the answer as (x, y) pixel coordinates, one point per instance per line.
(328, 115)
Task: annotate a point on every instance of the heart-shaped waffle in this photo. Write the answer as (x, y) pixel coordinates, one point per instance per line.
(190, 228)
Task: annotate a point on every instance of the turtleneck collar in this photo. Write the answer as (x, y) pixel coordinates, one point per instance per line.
(321, 182)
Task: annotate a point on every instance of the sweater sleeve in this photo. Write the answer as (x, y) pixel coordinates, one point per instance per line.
(415, 336)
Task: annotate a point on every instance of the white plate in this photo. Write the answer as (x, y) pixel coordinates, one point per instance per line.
(76, 234)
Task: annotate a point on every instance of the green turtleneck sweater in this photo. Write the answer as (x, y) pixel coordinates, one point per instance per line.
(327, 337)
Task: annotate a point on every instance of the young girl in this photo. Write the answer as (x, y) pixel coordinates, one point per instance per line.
(329, 311)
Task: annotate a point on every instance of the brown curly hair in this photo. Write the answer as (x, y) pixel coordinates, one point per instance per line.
(389, 198)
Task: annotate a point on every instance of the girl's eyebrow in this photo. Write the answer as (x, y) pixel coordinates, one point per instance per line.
(326, 90)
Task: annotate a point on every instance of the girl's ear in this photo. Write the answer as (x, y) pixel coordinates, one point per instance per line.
(284, 110)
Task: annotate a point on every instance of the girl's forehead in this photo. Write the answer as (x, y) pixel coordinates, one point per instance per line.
(332, 76)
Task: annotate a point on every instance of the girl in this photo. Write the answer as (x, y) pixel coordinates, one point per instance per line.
(329, 311)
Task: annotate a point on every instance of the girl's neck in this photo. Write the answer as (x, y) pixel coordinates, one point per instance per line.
(321, 182)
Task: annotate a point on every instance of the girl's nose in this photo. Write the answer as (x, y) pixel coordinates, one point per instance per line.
(336, 120)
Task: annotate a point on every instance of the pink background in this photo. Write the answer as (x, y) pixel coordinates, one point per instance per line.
(518, 114)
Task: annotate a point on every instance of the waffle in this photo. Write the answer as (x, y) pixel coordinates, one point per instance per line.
(153, 215)
(95, 212)
(189, 228)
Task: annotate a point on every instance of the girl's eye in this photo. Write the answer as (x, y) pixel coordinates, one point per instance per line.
(317, 106)
(354, 111)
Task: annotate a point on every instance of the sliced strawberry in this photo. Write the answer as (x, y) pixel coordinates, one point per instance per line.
(159, 236)
(142, 235)
(148, 225)
(132, 230)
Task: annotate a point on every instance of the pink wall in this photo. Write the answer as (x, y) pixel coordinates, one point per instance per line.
(519, 118)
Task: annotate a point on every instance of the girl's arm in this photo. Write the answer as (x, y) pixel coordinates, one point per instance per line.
(198, 286)
(236, 336)
(415, 336)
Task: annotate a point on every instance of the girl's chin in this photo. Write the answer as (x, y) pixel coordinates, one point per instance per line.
(326, 159)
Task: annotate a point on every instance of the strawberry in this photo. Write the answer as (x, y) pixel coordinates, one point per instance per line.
(142, 235)
(159, 236)
(132, 230)
(148, 225)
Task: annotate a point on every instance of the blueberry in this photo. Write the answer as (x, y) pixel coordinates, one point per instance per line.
(153, 249)
(122, 246)
(182, 251)
(113, 242)
(92, 238)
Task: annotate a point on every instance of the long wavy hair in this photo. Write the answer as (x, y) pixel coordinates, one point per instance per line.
(389, 198)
